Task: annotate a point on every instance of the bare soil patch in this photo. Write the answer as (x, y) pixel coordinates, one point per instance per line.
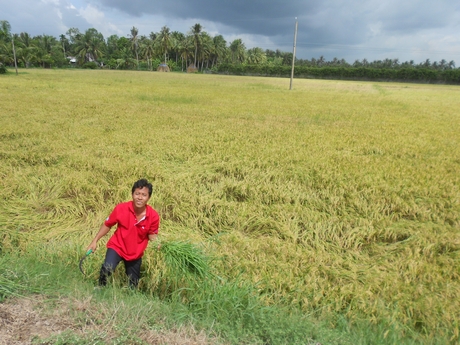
(24, 319)
(20, 322)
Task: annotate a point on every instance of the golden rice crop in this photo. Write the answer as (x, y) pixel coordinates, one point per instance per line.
(338, 197)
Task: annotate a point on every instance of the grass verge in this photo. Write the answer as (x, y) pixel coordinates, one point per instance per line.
(207, 311)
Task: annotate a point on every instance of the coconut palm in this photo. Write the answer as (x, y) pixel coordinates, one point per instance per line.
(256, 56)
(196, 33)
(186, 49)
(112, 46)
(206, 49)
(6, 53)
(178, 37)
(165, 40)
(133, 37)
(238, 50)
(219, 48)
(5, 31)
(125, 60)
(147, 49)
(25, 49)
(64, 42)
(90, 46)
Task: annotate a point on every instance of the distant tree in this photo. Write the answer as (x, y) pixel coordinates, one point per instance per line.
(270, 54)
(187, 47)
(321, 61)
(206, 49)
(219, 49)
(90, 46)
(6, 53)
(125, 61)
(147, 50)
(112, 46)
(133, 37)
(443, 64)
(165, 41)
(196, 33)
(153, 36)
(74, 35)
(178, 38)
(256, 56)
(64, 42)
(238, 50)
(25, 49)
(5, 31)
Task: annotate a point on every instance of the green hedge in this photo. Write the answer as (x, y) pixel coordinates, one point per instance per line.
(423, 75)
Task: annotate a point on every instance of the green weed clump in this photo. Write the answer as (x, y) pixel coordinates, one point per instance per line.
(340, 199)
(185, 260)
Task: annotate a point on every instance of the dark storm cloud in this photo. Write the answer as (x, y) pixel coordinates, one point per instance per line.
(320, 22)
(412, 16)
(253, 17)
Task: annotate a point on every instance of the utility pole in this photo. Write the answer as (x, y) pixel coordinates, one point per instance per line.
(293, 54)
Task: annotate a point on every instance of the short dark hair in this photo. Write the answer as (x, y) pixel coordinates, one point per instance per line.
(141, 184)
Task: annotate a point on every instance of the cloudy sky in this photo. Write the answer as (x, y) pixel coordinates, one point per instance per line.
(353, 30)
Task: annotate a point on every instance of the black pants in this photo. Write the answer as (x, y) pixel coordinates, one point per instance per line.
(112, 259)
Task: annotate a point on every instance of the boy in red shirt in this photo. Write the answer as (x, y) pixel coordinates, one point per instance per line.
(137, 223)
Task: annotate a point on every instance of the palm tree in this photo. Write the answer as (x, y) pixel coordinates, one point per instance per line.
(153, 36)
(165, 40)
(90, 46)
(125, 60)
(5, 31)
(238, 50)
(25, 48)
(133, 37)
(196, 33)
(112, 46)
(64, 41)
(6, 53)
(219, 48)
(256, 56)
(147, 50)
(186, 49)
(206, 49)
(178, 37)
(321, 61)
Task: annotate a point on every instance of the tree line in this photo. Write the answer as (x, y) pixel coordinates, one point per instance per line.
(199, 49)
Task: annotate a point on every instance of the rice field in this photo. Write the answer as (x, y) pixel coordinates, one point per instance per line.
(338, 198)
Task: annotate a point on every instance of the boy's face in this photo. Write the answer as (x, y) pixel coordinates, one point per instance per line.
(141, 197)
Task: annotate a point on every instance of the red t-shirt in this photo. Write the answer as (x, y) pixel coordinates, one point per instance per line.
(131, 237)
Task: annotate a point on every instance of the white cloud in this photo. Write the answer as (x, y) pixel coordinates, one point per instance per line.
(52, 2)
(92, 15)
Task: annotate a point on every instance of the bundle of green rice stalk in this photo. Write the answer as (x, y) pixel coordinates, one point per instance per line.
(184, 259)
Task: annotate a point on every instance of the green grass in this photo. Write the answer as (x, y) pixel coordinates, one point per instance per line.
(228, 312)
(339, 200)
